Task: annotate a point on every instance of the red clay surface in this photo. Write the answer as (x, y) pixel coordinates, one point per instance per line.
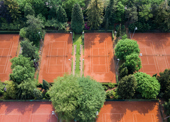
(155, 49)
(8, 49)
(55, 57)
(26, 112)
(98, 57)
(114, 111)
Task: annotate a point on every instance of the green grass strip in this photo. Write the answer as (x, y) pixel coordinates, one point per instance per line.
(77, 41)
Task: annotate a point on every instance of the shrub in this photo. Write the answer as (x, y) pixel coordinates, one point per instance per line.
(124, 37)
(111, 85)
(45, 85)
(109, 94)
(37, 94)
(167, 107)
(127, 87)
(126, 47)
(123, 71)
(11, 90)
(147, 86)
(22, 32)
(1, 88)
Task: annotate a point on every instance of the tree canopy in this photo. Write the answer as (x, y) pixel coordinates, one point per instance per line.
(126, 47)
(77, 21)
(77, 98)
(127, 87)
(148, 86)
(61, 14)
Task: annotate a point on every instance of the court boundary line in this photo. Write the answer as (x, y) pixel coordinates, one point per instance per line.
(64, 60)
(7, 59)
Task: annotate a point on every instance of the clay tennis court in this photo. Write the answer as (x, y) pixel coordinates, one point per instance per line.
(121, 111)
(8, 49)
(155, 50)
(26, 112)
(99, 57)
(56, 56)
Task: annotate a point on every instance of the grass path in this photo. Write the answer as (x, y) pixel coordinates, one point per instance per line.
(77, 41)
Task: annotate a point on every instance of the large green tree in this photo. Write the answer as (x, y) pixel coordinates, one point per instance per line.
(28, 10)
(77, 20)
(133, 63)
(35, 25)
(127, 87)
(126, 47)
(131, 15)
(29, 50)
(95, 14)
(146, 11)
(61, 14)
(164, 80)
(77, 98)
(109, 17)
(148, 86)
(90, 101)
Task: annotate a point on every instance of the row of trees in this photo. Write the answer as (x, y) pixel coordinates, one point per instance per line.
(54, 13)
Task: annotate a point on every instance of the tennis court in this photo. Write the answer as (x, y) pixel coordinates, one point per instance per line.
(26, 112)
(8, 50)
(129, 111)
(56, 56)
(155, 51)
(99, 57)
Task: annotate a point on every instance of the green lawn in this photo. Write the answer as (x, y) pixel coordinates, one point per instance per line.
(77, 41)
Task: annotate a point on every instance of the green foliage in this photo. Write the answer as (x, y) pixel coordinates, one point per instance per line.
(146, 11)
(123, 70)
(167, 107)
(127, 87)
(45, 85)
(131, 15)
(22, 69)
(109, 17)
(22, 32)
(77, 21)
(61, 15)
(29, 50)
(164, 80)
(57, 25)
(73, 97)
(133, 63)
(142, 27)
(25, 89)
(119, 31)
(111, 85)
(35, 26)
(1, 88)
(13, 9)
(64, 96)
(124, 37)
(109, 94)
(95, 14)
(119, 12)
(37, 94)
(28, 10)
(10, 90)
(148, 86)
(91, 100)
(126, 47)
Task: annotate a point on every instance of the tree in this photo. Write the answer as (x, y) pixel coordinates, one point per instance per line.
(131, 15)
(95, 14)
(1, 88)
(148, 86)
(13, 9)
(28, 10)
(45, 85)
(77, 98)
(163, 16)
(109, 17)
(146, 11)
(119, 31)
(127, 87)
(22, 32)
(123, 70)
(64, 96)
(90, 101)
(22, 69)
(10, 90)
(120, 9)
(35, 26)
(164, 80)
(4, 13)
(167, 107)
(133, 63)
(77, 21)
(61, 15)
(29, 50)
(126, 47)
